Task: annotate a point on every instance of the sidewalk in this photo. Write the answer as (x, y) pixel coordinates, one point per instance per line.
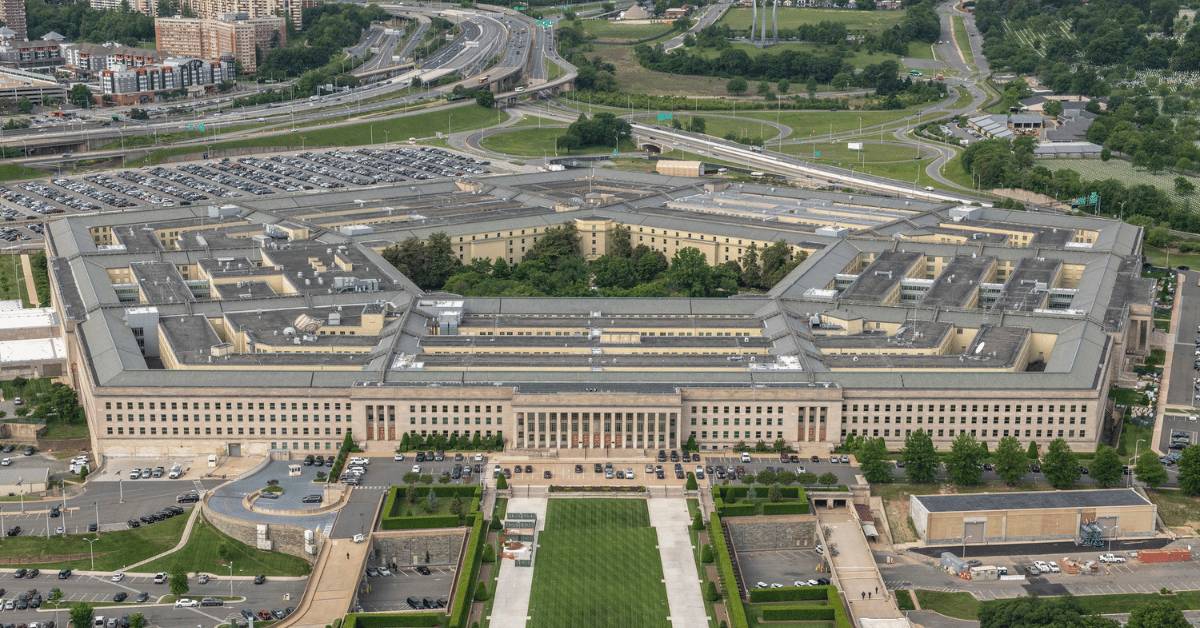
(187, 533)
(669, 517)
(511, 608)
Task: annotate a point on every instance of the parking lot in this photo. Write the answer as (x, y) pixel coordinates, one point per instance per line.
(388, 593)
(784, 567)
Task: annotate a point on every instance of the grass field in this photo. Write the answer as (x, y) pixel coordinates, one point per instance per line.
(635, 79)
(961, 605)
(791, 17)
(1131, 433)
(1123, 171)
(420, 125)
(12, 172)
(963, 40)
(531, 142)
(953, 171)
(598, 565)
(114, 550)
(553, 70)
(199, 555)
(1175, 508)
(537, 121)
(12, 279)
(838, 153)
(804, 124)
(605, 30)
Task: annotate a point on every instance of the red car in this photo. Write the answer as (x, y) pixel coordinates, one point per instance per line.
(265, 615)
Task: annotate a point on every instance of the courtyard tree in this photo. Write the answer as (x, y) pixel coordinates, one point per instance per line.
(1106, 467)
(1155, 614)
(81, 614)
(179, 584)
(1060, 465)
(736, 86)
(706, 554)
(873, 460)
(1150, 470)
(828, 479)
(920, 458)
(1189, 471)
(964, 463)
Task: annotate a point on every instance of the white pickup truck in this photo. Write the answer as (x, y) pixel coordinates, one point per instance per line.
(1111, 558)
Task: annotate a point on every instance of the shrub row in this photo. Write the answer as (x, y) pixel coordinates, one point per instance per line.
(789, 594)
(733, 601)
(395, 499)
(840, 487)
(797, 613)
(415, 620)
(733, 510)
(788, 492)
(461, 607)
(839, 612)
(597, 489)
(785, 508)
(423, 521)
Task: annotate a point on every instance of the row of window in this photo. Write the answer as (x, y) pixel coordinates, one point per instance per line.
(445, 408)
(316, 418)
(412, 420)
(208, 431)
(887, 407)
(738, 409)
(662, 438)
(982, 433)
(737, 434)
(963, 420)
(216, 405)
(737, 421)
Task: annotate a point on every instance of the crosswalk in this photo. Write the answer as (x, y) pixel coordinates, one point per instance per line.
(328, 529)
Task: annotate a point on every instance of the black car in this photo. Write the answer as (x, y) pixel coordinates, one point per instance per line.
(661, 475)
(319, 461)
(277, 613)
(143, 596)
(54, 512)
(578, 468)
(423, 570)
(124, 621)
(247, 614)
(815, 459)
(120, 596)
(92, 527)
(133, 523)
(597, 468)
(311, 499)
(974, 563)
(662, 455)
(546, 474)
(63, 574)
(794, 459)
(288, 611)
(1036, 468)
(528, 468)
(420, 456)
(414, 603)
(29, 450)
(20, 573)
(478, 469)
(33, 573)
(429, 602)
(260, 578)
(329, 461)
(308, 462)
(14, 530)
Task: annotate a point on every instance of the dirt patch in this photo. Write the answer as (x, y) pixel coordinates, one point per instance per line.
(897, 515)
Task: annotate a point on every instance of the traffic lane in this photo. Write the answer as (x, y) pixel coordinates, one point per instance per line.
(1183, 355)
(390, 593)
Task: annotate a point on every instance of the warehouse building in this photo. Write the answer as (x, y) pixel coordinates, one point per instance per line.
(244, 328)
(1087, 517)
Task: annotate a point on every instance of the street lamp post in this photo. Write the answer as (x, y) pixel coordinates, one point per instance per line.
(372, 134)
(1133, 461)
(385, 139)
(92, 552)
(97, 505)
(231, 578)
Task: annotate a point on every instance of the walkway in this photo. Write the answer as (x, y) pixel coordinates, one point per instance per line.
(30, 286)
(511, 608)
(855, 567)
(670, 519)
(328, 595)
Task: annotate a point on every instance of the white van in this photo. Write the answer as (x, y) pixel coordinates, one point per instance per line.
(745, 456)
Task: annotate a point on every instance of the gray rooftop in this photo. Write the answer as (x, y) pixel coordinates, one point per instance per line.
(958, 281)
(882, 276)
(1032, 500)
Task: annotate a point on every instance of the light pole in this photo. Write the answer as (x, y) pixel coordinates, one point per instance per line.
(231, 578)
(1133, 460)
(362, 524)
(372, 134)
(97, 505)
(121, 490)
(92, 552)
(385, 139)
(448, 122)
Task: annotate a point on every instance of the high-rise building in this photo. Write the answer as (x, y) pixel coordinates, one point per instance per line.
(235, 33)
(12, 13)
(210, 9)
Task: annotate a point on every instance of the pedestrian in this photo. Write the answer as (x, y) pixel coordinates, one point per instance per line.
(876, 590)
(347, 555)
(864, 595)
(868, 595)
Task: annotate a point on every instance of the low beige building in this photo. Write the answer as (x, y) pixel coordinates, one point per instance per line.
(989, 518)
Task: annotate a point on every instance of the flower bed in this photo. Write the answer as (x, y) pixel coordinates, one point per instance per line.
(597, 489)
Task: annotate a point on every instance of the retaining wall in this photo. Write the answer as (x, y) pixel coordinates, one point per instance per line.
(772, 532)
(285, 538)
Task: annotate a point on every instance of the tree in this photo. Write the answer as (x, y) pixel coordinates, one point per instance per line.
(1059, 464)
(1032, 452)
(501, 483)
(456, 507)
(691, 482)
(691, 275)
(919, 456)
(1189, 471)
(783, 86)
(691, 443)
(1183, 186)
(827, 479)
(785, 478)
(780, 445)
(811, 86)
(736, 86)
(1150, 470)
(405, 442)
(481, 591)
(444, 479)
(1052, 108)
(1157, 615)
(710, 592)
(137, 620)
(964, 463)
(1035, 612)
(748, 478)
(81, 614)
(223, 550)
(873, 461)
(410, 478)
(24, 105)
(1105, 154)
(489, 551)
(706, 554)
(179, 584)
(766, 476)
(763, 88)
(698, 521)
(81, 96)
(432, 499)
(1106, 467)
(485, 98)
(774, 494)
(83, 473)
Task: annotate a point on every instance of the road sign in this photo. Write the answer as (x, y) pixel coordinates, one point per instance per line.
(190, 127)
(614, 152)
(816, 153)
(664, 116)
(201, 127)
(545, 23)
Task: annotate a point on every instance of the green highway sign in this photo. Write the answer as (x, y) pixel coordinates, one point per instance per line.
(545, 23)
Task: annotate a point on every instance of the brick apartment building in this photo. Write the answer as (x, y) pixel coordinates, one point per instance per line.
(235, 33)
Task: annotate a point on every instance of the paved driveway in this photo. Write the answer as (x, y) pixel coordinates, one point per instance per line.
(669, 517)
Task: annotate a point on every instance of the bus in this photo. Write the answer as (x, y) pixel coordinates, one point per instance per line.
(915, 72)
(758, 175)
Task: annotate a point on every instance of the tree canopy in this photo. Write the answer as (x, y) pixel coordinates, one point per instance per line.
(920, 457)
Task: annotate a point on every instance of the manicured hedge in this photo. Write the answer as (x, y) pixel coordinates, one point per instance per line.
(785, 508)
(461, 607)
(734, 510)
(597, 489)
(797, 613)
(416, 523)
(839, 611)
(395, 501)
(733, 601)
(788, 492)
(789, 594)
(415, 620)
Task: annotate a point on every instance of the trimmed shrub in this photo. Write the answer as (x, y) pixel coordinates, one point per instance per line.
(706, 554)
(416, 620)
(733, 604)
(789, 594)
(797, 613)
(738, 510)
(785, 508)
(481, 592)
(710, 592)
(489, 553)
(461, 605)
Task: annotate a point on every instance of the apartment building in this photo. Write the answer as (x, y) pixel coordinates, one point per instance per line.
(214, 330)
(210, 9)
(12, 13)
(89, 60)
(235, 33)
(195, 75)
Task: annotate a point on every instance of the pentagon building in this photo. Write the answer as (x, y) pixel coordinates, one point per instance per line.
(276, 323)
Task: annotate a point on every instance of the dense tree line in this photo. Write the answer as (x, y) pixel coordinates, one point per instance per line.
(602, 129)
(80, 22)
(328, 29)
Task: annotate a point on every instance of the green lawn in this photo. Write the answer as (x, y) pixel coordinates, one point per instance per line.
(754, 614)
(963, 40)
(537, 121)
(839, 153)
(1125, 172)
(597, 565)
(953, 171)
(904, 600)
(961, 605)
(1128, 397)
(1158, 257)
(857, 58)
(420, 125)
(12, 279)
(605, 30)
(805, 124)
(553, 70)
(12, 172)
(531, 142)
(114, 550)
(1131, 433)
(199, 554)
(791, 17)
